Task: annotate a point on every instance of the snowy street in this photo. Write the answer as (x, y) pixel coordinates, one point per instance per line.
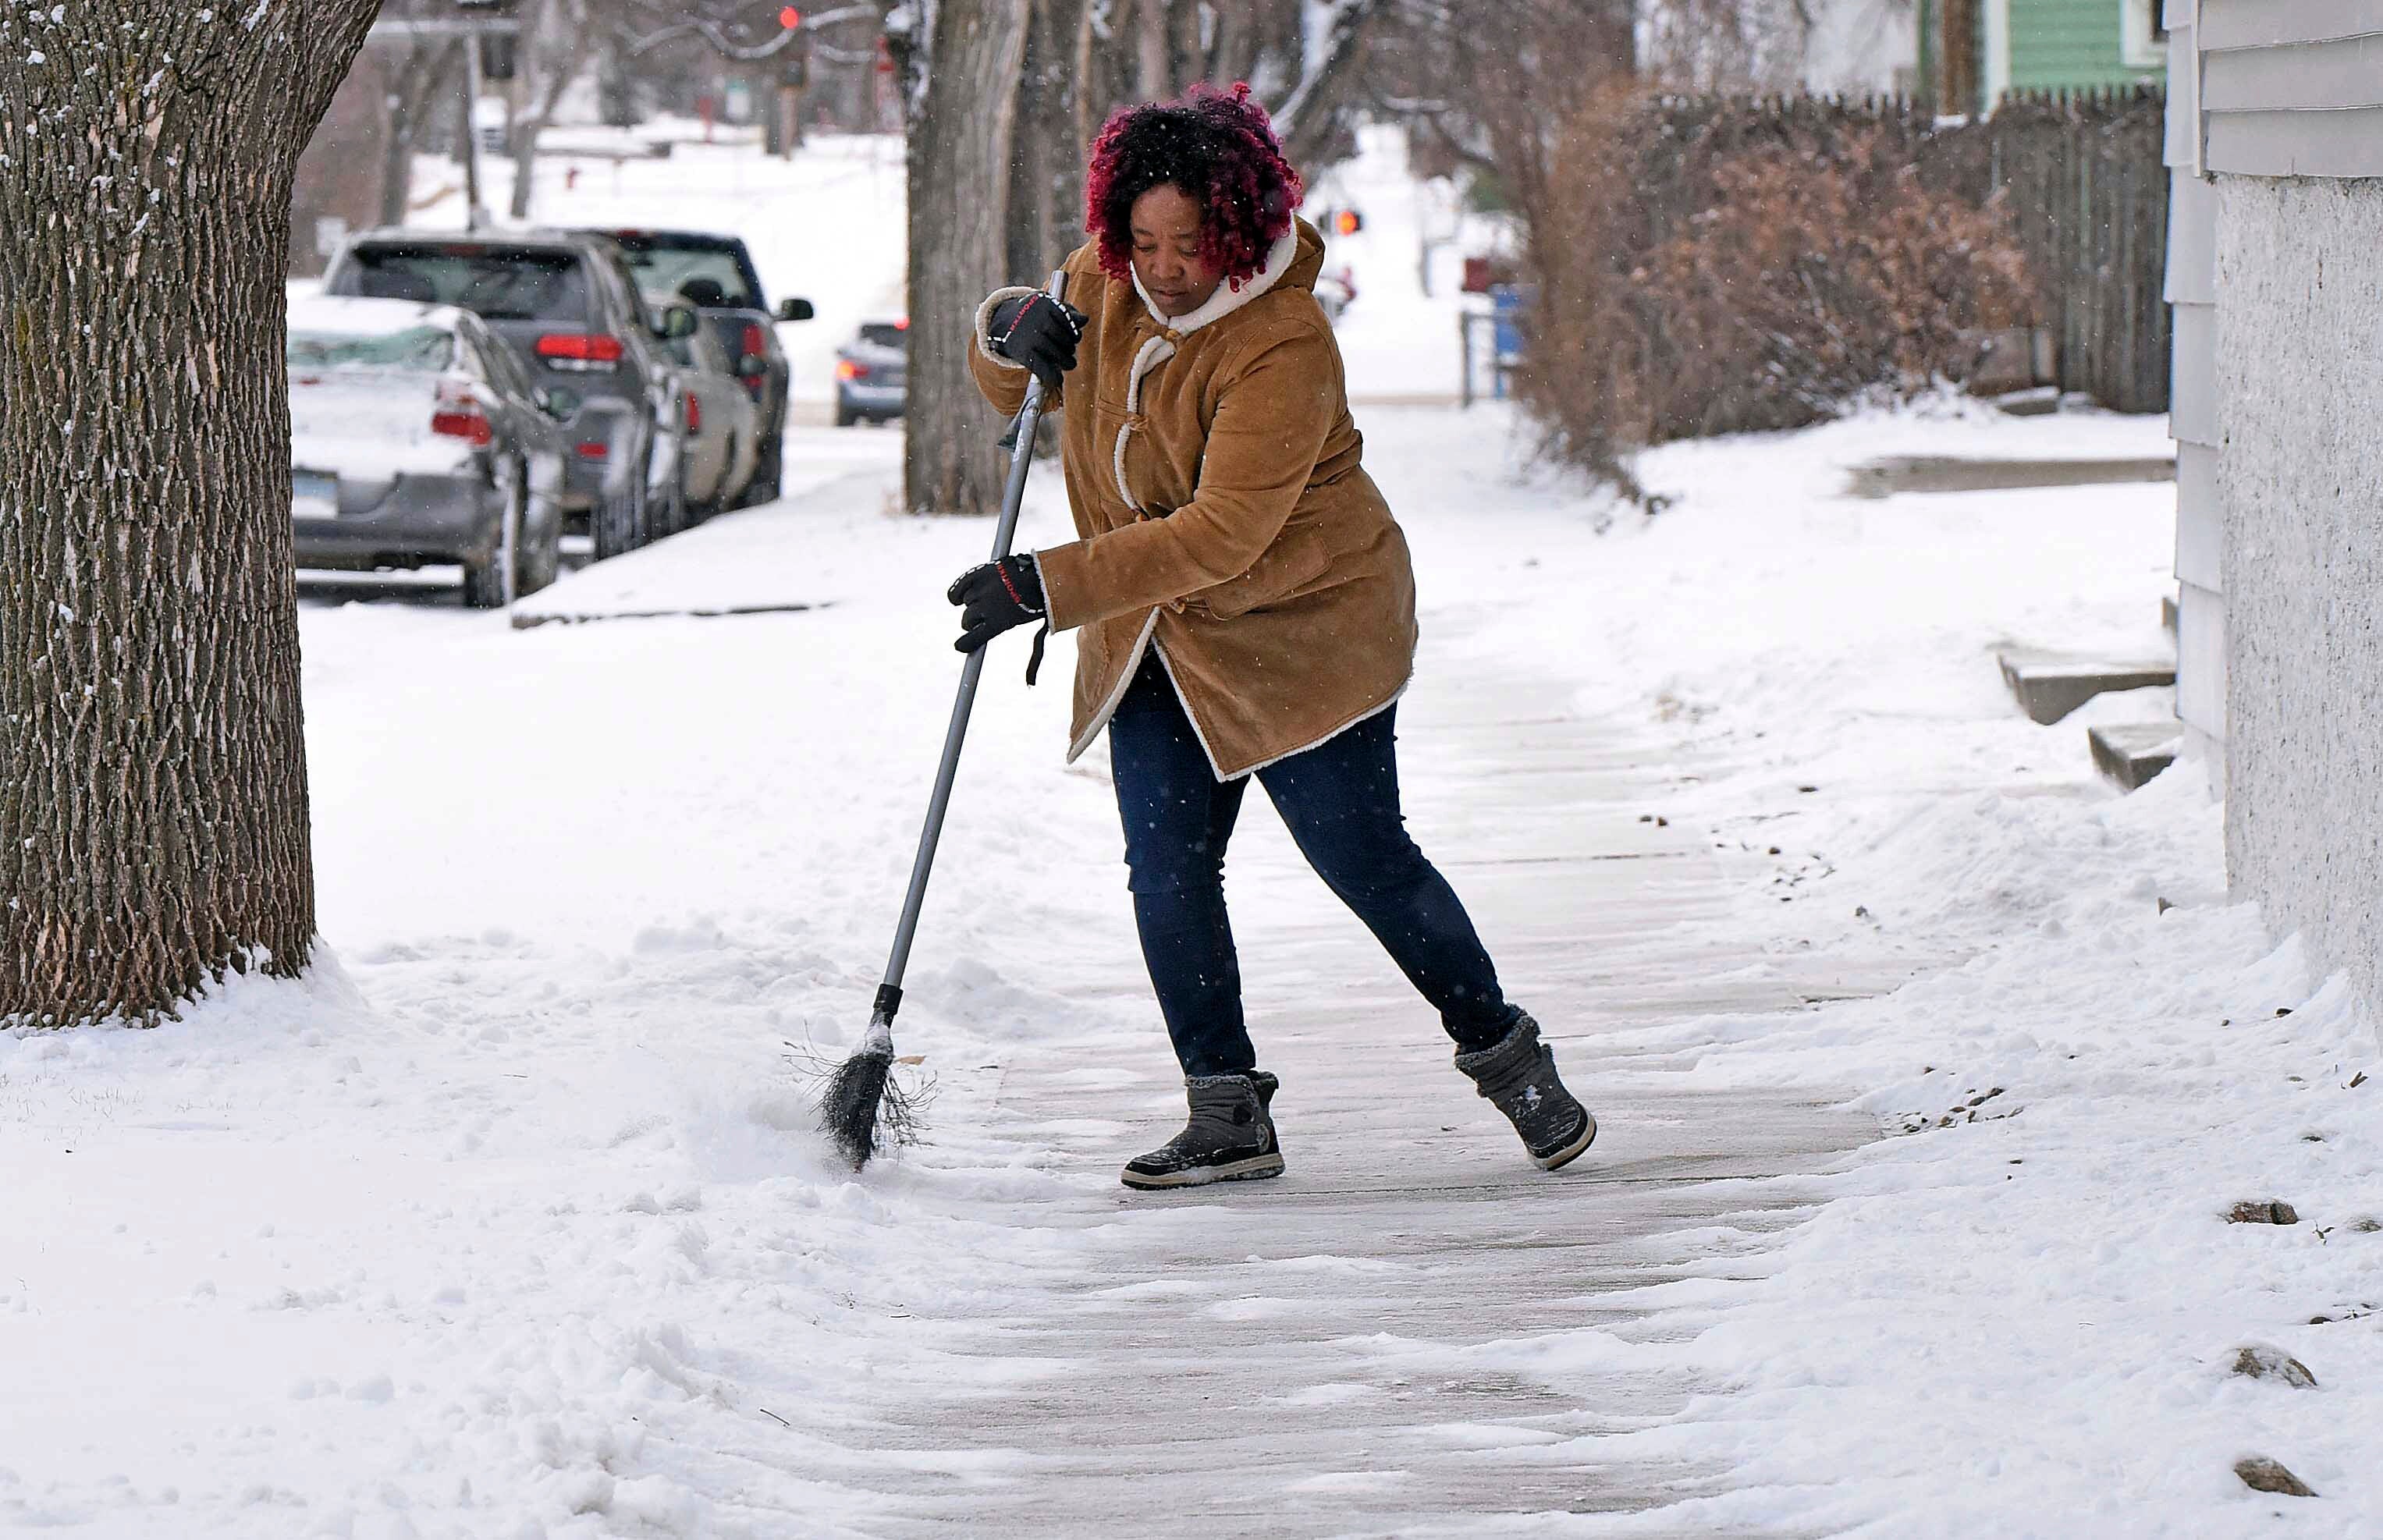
(513, 1222)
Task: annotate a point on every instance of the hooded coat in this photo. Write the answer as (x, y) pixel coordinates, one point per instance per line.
(1223, 516)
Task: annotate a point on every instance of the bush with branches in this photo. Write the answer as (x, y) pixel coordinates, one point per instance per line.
(1720, 283)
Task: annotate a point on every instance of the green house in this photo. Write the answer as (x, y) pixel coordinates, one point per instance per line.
(1973, 51)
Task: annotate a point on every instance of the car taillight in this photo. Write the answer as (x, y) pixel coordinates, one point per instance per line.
(757, 342)
(575, 350)
(593, 449)
(458, 412)
(693, 414)
(456, 422)
(847, 369)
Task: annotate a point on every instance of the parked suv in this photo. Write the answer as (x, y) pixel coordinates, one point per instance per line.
(570, 308)
(715, 274)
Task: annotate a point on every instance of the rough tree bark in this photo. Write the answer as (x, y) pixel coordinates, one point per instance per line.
(1047, 147)
(962, 115)
(153, 777)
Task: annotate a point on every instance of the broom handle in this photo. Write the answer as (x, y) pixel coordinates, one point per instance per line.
(1022, 457)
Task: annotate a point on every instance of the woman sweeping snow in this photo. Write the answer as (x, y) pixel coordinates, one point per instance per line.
(1245, 605)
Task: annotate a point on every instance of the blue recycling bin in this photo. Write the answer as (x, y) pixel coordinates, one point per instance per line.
(1506, 301)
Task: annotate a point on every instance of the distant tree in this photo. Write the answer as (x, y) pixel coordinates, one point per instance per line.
(424, 78)
(153, 781)
(558, 41)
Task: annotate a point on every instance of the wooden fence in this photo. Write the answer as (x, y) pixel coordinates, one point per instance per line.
(2078, 174)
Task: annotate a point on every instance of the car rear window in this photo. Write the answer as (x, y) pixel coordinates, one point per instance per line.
(884, 334)
(664, 266)
(494, 282)
(416, 350)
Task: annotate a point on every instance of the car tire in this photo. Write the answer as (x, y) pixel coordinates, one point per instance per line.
(546, 565)
(718, 502)
(845, 415)
(666, 514)
(769, 472)
(495, 583)
(617, 523)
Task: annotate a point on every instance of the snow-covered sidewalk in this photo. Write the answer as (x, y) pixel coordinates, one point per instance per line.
(511, 1221)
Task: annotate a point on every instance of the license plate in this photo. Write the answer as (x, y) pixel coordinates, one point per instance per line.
(314, 494)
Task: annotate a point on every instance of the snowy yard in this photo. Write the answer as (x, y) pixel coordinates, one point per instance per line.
(511, 1221)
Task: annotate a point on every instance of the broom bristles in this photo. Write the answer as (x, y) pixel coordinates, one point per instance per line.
(850, 1102)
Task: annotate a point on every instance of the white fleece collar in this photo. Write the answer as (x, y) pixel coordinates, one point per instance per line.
(1226, 298)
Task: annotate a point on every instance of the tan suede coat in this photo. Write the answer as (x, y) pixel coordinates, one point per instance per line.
(1225, 518)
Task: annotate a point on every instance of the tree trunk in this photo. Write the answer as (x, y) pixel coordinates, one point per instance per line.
(1153, 38)
(1046, 183)
(420, 81)
(153, 777)
(553, 49)
(960, 176)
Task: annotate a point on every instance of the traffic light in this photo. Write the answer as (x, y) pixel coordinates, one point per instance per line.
(789, 18)
(1348, 221)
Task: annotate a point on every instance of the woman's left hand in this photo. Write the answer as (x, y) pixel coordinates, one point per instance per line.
(995, 596)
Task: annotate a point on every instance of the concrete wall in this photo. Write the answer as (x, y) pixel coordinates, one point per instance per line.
(2300, 361)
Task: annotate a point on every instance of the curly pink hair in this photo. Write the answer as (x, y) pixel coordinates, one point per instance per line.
(1220, 148)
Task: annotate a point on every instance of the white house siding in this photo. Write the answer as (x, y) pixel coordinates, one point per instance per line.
(2192, 410)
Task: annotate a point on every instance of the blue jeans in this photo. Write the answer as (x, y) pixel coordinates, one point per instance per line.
(1340, 801)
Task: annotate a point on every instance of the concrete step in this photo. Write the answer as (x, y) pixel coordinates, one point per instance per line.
(2049, 685)
(2132, 753)
(1932, 473)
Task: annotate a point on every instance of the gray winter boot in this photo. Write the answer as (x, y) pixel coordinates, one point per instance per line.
(1518, 1074)
(1230, 1136)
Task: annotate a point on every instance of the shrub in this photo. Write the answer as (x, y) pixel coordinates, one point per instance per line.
(1756, 274)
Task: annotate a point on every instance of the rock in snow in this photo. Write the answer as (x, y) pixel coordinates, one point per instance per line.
(2261, 1362)
(2262, 1475)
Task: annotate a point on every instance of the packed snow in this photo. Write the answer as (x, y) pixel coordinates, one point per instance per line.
(511, 1220)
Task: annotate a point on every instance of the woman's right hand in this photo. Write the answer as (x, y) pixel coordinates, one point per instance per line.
(1038, 331)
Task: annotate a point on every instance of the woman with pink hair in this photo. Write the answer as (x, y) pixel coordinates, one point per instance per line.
(1243, 602)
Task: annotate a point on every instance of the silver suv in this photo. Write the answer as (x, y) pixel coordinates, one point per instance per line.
(569, 307)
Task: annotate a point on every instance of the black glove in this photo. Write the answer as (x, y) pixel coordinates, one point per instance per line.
(1040, 332)
(995, 596)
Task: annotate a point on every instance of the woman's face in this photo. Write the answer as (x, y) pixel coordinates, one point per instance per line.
(1165, 228)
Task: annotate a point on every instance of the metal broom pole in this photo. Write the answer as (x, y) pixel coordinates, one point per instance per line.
(849, 1106)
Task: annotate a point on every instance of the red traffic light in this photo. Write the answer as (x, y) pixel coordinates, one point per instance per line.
(1347, 222)
(790, 19)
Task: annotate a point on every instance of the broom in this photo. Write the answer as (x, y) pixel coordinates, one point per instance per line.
(857, 1090)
